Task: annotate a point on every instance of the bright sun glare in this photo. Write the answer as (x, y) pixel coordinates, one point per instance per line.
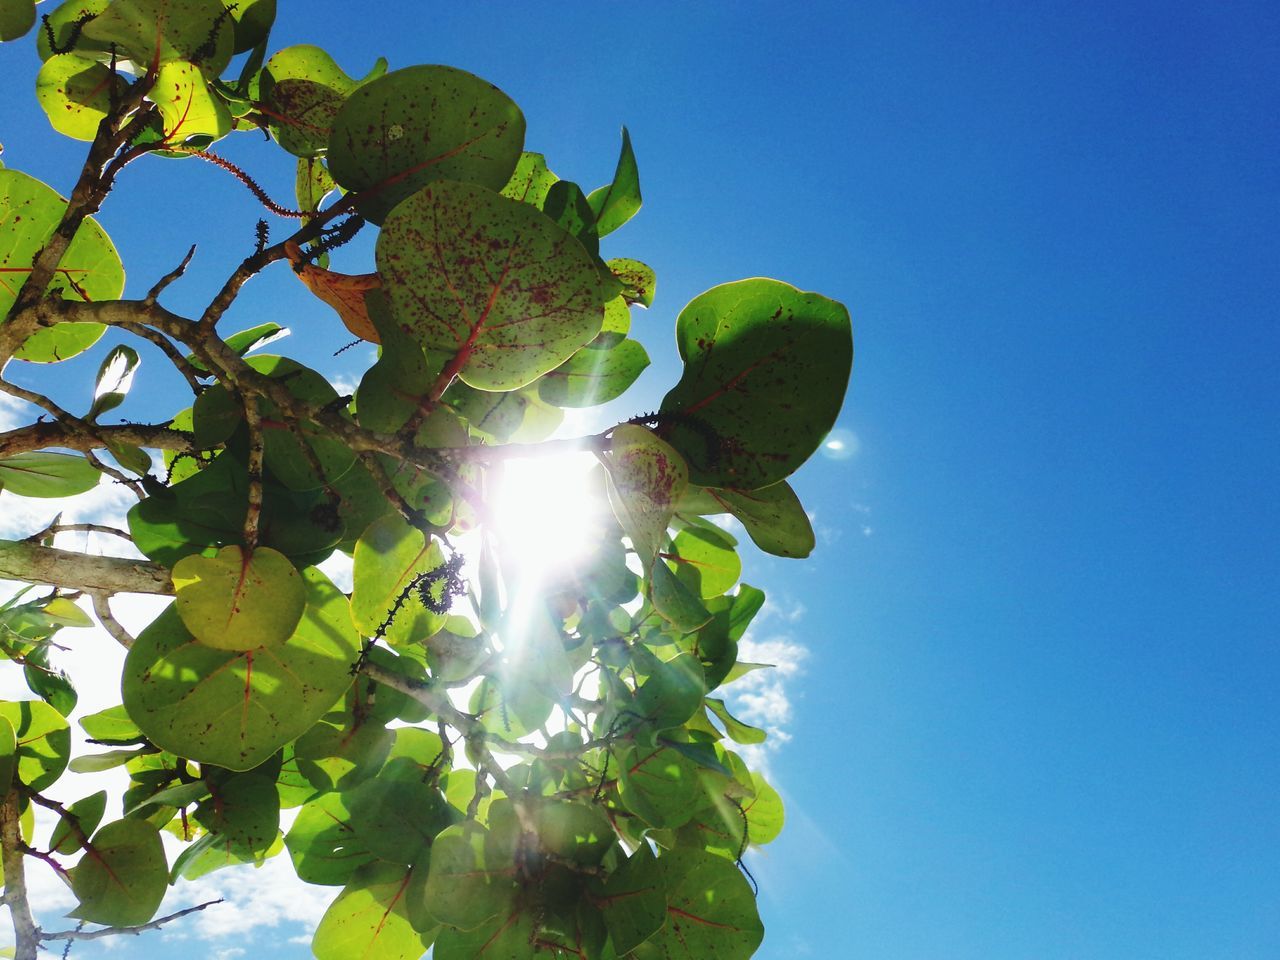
(546, 513)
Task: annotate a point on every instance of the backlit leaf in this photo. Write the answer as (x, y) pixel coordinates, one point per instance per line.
(122, 876)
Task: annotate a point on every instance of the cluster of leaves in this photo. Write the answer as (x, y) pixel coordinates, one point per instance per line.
(495, 775)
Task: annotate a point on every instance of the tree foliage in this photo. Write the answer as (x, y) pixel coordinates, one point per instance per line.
(500, 776)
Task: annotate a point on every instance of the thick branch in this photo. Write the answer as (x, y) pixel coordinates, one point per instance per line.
(15, 879)
(33, 563)
(55, 433)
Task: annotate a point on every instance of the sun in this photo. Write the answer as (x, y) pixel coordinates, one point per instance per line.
(547, 513)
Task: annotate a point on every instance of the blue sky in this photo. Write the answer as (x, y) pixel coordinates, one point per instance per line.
(1036, 714)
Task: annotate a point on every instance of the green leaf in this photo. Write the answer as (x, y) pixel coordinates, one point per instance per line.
(418, 125)
(323, 843)
(312, 184)
(659, 785)
(50, 684)
(253, 20)
(489, 282)
(303, 88)
(40, 474)
(738, 731)
(112, 725)
(672, 692)
(211, 852)
(75, 93)
(568, 207)
(335, 757)
(83, 818)
(235, 709)
(711, 911)
(766, 367)
(243, 810)
(704, 561)
(773, 515)
(97, 762)
(389, 557)
(648, 478)
(460, 890)
(246, 341)
(239, 600)
(188, 107)
(594, 375)
(89, 270)
(8, 754)
(44, 741)
(115, 377)
(369, 919)
(617, 203)
(122, 876)
(633, 901)
(530, 181)
(153, 33)
(396, 820)
(16, 18)
(638, 280)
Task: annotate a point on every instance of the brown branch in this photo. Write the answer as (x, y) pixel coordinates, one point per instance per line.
(102, 607)
(25, 931)
(130, 931)
(253, 513)
(40, 436)
(33, 563)
(154, 293)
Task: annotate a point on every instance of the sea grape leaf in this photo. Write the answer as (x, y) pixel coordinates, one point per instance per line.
(238, 599)
(62, 23)
(81, 820)
(370, 918)
(766, 367)
(773, 515)
(156, 32)
(705, 561)
(461, 890)
(567, 206)
(312, 183)
(618, 202)
(122, 876)
(530, 181)
(764, 812)
(8, 754)
(345, 293)
(243, 810)
(42, 474)
(323, 844)
(188, 108)
(236, 708)
(672, 692)
(90, 269)
(594, 375)
(738, 731)
(112, 725)
(334, 757)
(303, 88)
(115, 377)
(253, 20)
(76, 93)
(711, 911)
(44, 741)
(50, 684)
(638, 280)
(648, 477)
(633, 900)
(489, 282)
(659, 785)
(16, 18)
(397, 819)
(212, 852)
(389, 557)
(418, 125)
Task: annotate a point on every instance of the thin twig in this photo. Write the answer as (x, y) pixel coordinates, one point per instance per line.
(154, 293)
(102, 607)
(56, 528)
(130, 931)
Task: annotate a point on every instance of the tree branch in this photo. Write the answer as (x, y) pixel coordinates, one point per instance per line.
(25, 931)
(56, 433)
(131, 931)
(32, 563)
